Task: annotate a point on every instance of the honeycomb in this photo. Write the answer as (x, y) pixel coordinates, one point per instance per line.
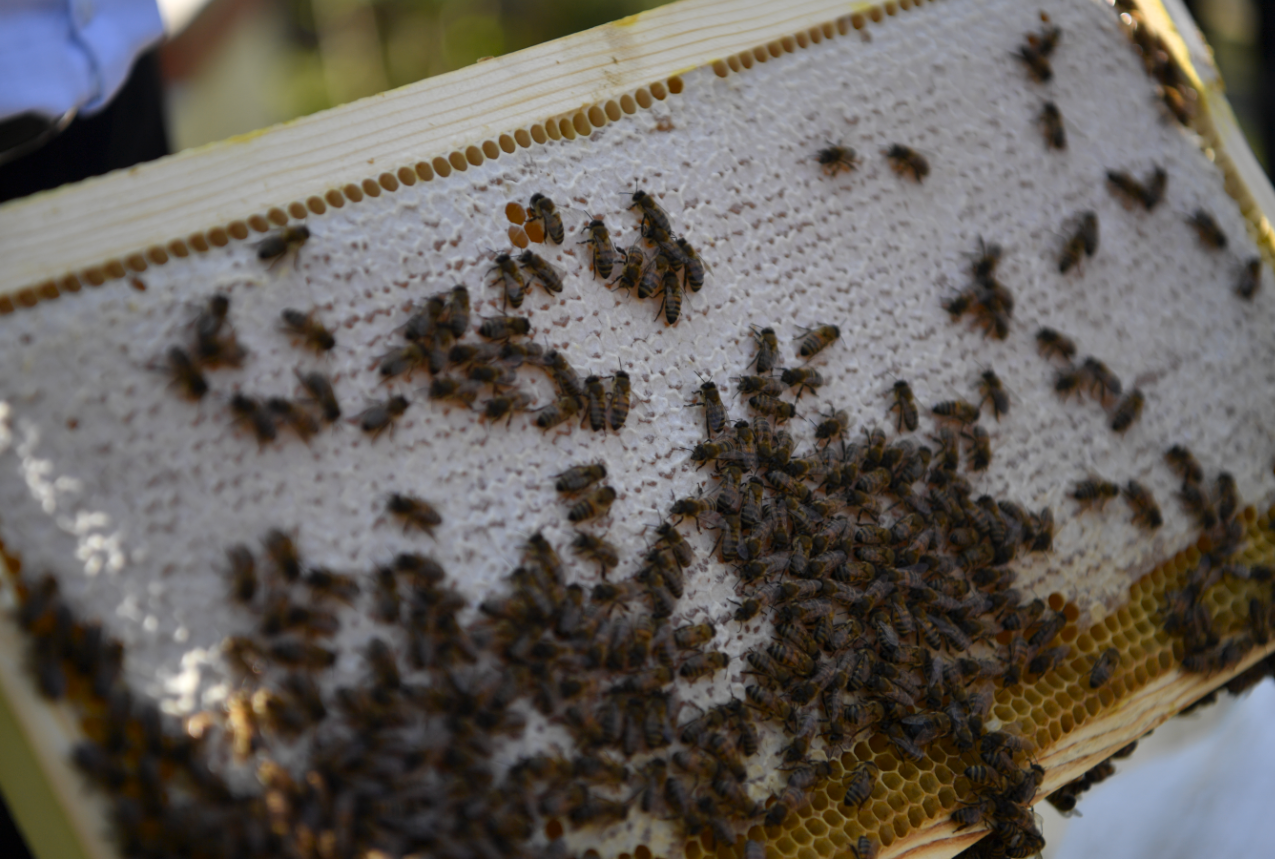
(909, 797)
(911, 802)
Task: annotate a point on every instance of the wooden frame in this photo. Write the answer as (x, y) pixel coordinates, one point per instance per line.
(59, 241)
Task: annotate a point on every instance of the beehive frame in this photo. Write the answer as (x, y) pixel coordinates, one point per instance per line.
(42, 266)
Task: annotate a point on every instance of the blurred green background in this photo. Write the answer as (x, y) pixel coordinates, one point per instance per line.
(232, 66)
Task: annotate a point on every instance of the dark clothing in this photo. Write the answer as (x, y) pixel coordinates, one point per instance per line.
(128, 131)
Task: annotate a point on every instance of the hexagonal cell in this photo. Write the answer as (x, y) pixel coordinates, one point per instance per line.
(891, 780)
(823, 847)
(816, 827)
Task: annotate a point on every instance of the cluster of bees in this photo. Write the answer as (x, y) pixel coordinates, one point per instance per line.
(884, 584)
(989, 301)
(675, 267)
(1216, 513)
(132, 751)
(1064, 799)
(1090, 377)
(1175, 89)
(213, 344)
(879, 625)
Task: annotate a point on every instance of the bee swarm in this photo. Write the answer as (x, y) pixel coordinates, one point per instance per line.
(699, 520)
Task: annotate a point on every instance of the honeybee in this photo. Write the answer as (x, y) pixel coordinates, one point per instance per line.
(907, 162)
(320, 390)
(767, 350)
(291, 415)
(703, 664)
(215, 343)
(833, 426)
(593, 505)
(860, 783)
(278, 243)
(403, 359)
(506, 405)
(670, 298)
(1053, 344)
(325, 584)
(991, 388)
(655, 221)
(1228, 500)
(1128, 187)
(1153, 191)
(542, 209)
(1184, 464)
(1038, 65)
(1084, 240)
(1100, 377)
(653, 277)
(1127, 410)
(980, 454)
(1103, 667)
(249, 410)
(835, 159)
(312, 332)
(595, 404)
(865, 848)
(507, 275)
(597, 550)
(1250, 278)
(565, 377)
(464, 391)
(1094, 492)
(957, 410)
(1148, 195)
(602, 254)
(768, 385)
(813, 341)
(1211, 235)
(381, 416)
(549, 276)
(957, 305)
(1051, 124)
(185, 374)
(772, 406)
(905, 405)
(693, 265)
(634, 264)
(793, 797)
(415, 513)
(557, 412)
(504, 327)
(580, 477)
(802, 378)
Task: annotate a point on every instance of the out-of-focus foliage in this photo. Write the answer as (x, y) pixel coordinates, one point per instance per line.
(282, 59)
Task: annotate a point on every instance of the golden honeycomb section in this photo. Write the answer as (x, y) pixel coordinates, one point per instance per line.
(910, 797)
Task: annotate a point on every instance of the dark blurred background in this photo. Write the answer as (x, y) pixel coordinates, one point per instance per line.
(1242, 35)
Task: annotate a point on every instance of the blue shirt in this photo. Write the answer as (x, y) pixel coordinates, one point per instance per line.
(61, 54)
